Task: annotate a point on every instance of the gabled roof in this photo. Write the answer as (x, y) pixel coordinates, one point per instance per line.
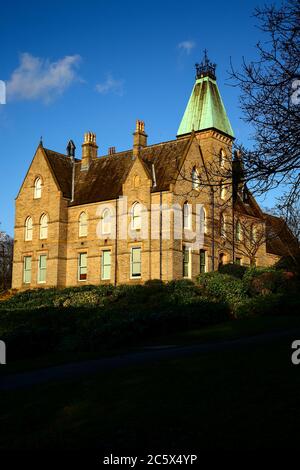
(104, 179)
(249, 208)
(205, 109)
(280, 240)
(61, 166)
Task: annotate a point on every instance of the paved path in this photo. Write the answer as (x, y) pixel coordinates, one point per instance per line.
(146, 356)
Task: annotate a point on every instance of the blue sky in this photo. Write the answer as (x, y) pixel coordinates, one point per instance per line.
(74, 66)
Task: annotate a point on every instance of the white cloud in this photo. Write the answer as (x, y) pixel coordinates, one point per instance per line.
(38, 78)
(186, 46)
(111, 85)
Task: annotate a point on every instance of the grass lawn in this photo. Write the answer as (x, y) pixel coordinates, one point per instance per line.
(231, 399)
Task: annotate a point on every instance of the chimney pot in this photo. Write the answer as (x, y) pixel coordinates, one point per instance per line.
(139, 137)
(111, 150)
(89, 150)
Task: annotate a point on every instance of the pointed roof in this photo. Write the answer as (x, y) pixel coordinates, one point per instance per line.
(205, 109)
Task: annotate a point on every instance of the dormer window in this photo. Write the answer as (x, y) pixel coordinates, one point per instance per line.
(38, 188)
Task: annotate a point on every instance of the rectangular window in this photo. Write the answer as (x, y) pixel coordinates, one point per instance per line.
(42, 268)
(105, 264)
(202, 261)
(82, 266)
(238, 261)
(186, 262)
(136, 262)
(27, 269)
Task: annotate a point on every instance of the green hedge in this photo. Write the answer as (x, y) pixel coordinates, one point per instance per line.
(97, 317)
(91, 318)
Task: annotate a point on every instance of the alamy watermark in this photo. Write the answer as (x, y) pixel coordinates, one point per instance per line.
(2, 352)
(155, 222)
(296, 354)
(2, 92)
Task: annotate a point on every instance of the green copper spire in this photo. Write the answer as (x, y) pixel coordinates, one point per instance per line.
(205, 109)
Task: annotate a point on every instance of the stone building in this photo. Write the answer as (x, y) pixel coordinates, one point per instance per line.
(111, 218)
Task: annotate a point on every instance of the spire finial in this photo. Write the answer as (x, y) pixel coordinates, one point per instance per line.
(206, 68)
(41, 141)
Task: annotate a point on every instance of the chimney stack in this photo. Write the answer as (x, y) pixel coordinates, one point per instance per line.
(139, 137)
(111, 150)
(89, 150)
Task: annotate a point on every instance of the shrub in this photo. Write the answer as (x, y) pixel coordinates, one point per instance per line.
(289, 263)
(253, 272)
(233, 269)
(267, 281)
(266, 305)
(222, 287)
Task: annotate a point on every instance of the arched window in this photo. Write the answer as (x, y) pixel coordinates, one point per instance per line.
(195, 178)
(187, 216)
(136, 216)
(83, 225)
(222, 190)
(253, 233)
(106, 221)
(44, 227)
(222, 158)
(28, 229)
(38, 188)
(222, 226)
(238, 231)
(203, 220)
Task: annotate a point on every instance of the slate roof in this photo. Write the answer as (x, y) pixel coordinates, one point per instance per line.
(104, 179)
(281, 241)
(251, 208)
(62, 168)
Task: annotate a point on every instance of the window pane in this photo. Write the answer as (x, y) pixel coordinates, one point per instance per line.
(136, 255)
(43, 261)
(106, 263)
(136, 262)
(42, 268)
(186, 262)
(37, 188)
(202, 261)
(82, 266)
(136, 216)
(27, 269)
(106, 272)
(83, 225)
(28, 229)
